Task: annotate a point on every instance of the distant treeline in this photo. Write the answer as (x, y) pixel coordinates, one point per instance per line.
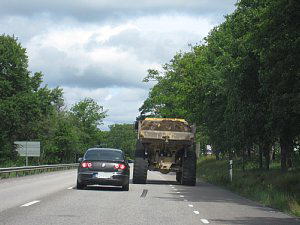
(241, 85)
(32, 112)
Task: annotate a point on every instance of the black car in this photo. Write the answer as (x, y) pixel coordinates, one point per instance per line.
(103, 166)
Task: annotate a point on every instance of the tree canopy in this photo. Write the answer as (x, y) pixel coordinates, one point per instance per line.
(241, 86)
(32, 112)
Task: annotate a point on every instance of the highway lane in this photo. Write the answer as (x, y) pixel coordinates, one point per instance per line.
(16, 191)
(52, 199)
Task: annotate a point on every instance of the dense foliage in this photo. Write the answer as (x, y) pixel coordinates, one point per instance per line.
(32, 112)
(122, 136)
(241, 86)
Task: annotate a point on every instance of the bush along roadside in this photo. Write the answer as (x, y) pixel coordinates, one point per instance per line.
(271, 188)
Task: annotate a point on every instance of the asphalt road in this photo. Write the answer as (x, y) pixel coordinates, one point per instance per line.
(53, 199)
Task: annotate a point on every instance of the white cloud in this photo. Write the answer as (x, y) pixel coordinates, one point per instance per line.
(102, 49)
(108, 97)
(62, 54)
(93, 56)
(122, 103)
(158, 38)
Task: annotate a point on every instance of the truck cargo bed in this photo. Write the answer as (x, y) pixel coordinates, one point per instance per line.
(166, 135)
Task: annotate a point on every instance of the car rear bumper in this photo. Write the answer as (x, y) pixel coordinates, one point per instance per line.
(88, 178)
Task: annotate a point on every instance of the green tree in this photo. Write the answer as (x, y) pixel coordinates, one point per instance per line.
(278, 44)
(122, 136)
(31, 112)
(22, 102)
(87, 116)
(241, 87)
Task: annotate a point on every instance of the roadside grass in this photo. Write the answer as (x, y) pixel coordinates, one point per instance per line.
(271, 188)
(19, 161)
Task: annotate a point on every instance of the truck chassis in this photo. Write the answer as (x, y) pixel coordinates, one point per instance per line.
(165, 145)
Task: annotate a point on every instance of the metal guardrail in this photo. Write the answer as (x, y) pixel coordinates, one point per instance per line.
(29, 169)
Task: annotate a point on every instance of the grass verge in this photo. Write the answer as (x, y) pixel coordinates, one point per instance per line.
(271, 188)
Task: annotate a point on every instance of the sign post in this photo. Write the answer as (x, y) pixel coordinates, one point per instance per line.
(28, 149)
(26, 164)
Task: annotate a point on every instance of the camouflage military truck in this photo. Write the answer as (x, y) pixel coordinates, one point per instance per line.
(165, 145)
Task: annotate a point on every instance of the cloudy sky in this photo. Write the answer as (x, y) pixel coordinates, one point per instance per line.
(103, 48)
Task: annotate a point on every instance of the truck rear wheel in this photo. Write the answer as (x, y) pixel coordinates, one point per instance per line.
(140, 171)
(139, 150)
(178, 176)
(189, 169)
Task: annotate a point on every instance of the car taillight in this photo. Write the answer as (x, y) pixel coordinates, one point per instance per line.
(120, 166)
(86, 165)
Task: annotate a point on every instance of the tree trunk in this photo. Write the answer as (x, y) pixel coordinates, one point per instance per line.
(217, 156)
(289, 155)
(286, 146)
(260, 157)
(267, 148)
(249, 152)
(283, 150)
(243, 159)
(272, 151)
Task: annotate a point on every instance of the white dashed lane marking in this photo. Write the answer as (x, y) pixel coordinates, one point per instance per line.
(30, 203)
(69, 188)
(204, 221)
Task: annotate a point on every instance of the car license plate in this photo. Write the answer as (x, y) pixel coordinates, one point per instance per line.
(103, 175)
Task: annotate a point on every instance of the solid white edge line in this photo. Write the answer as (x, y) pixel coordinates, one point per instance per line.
(196, 212)
(30, 203)
(204, 221)
(191, 206)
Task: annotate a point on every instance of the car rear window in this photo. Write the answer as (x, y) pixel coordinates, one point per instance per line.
(103, 155)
